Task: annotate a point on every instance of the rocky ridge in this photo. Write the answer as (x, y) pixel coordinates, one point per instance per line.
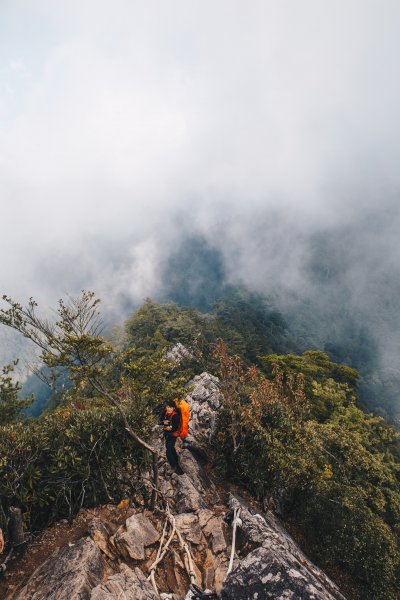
(110, 565)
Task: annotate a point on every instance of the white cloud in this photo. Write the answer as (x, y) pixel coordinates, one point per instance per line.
(138, 117)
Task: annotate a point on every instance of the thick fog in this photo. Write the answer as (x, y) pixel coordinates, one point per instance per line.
(270, 129)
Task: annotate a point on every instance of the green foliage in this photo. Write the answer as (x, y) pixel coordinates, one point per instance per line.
(337, 466)
(47, 388)
(72, 341)
(77, 455)
(148, 379)
(154, 326)
(11, 407)
(327, 384)
(88, 450)
(244, 320)
(355, 505)
(249, 325)
(315, 365)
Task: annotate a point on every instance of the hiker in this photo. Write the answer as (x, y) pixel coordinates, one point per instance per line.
(171, 423)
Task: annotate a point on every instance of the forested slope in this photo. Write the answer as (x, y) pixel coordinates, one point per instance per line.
(290, 431)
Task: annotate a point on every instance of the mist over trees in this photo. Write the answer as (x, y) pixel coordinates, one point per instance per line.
(335, 287)
(344, 306)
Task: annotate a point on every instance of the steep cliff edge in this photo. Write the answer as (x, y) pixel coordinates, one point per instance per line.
(195, 528)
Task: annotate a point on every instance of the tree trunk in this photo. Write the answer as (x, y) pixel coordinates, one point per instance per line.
(153, 500)
(4, 524)
(15, 527)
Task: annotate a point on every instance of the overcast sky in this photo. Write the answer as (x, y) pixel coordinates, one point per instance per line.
(125, 123)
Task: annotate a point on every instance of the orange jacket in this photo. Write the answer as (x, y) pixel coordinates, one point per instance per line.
(184, 408)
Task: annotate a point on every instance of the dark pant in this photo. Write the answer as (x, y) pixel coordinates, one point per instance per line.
(172, 456)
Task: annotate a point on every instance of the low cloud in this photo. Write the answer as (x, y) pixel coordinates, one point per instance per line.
(127, 127)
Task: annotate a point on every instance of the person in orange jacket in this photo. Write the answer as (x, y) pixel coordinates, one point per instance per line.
(171, 425)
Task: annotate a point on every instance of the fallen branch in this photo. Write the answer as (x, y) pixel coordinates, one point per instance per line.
(162, 550)
(161, 553)
(236, 522)
(190, 570)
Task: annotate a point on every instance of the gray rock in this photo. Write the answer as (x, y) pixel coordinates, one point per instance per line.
(188, 525)
(197, 475)
(143, 528)
(127, 546)
(221, 568)
(127, 585)
(139, 534)
(267, 574)
(204, 515)
(204, 400)
(272, 565)
(178, 353)
(100, 533)
(187, 497)
(214, 530)
(192, 491)
(205, 390)
(69, 574)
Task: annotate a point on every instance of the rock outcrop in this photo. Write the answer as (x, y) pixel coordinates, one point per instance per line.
(205, 399)
(111, 565)
(70, 573)
(129, 584)
(130, 542)
(178, 353)
(272, 565)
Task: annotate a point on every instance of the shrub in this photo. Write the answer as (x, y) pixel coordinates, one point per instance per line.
(66, 459)
(340, 475)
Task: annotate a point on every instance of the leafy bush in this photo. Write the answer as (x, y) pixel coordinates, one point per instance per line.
(336, 466)
(11, 406)
(66, 459)
(245, 321)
